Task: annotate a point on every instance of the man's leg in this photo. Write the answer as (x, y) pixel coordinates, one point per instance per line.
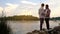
(41, 23)
(47, 23)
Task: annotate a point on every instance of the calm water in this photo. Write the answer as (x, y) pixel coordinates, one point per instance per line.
(22, 27)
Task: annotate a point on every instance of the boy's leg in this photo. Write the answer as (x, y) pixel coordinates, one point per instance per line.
(41, 23)
(47, 23)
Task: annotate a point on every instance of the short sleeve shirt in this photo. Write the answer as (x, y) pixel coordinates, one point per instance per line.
(41, 13)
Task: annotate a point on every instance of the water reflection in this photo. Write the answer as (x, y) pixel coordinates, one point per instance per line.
(22, 27)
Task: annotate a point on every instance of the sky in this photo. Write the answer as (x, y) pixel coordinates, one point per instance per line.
(28, 7)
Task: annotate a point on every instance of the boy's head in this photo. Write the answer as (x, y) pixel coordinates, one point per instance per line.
(47, 6)
(42, 5)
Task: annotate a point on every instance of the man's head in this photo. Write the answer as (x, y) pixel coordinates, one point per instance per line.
(42, 5)
(47, 6)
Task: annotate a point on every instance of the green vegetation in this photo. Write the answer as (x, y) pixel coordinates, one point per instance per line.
(22, 17)
(55, 18)
(27, 18)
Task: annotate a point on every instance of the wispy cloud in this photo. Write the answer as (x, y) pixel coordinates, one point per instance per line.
(1, 9)
(28, 2)
(54, 6)
(10, 8)
(31, 7)
(10, 4)
(26, 12)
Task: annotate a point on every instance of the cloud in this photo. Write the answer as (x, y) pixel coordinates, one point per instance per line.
(10, 8)
(25, 9)
(54, 6)
(26, 12)
(12, 5)
(24, 0)
(1, 9)
(28, 2)
(32, 8)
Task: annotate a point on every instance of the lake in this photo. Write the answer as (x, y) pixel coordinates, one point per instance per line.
(22, 27)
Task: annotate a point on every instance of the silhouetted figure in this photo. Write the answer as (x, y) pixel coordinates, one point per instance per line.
(44, 14)
(41, 15)
(47, 16)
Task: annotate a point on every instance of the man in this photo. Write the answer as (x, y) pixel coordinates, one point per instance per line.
(47, 16)
(41, 15)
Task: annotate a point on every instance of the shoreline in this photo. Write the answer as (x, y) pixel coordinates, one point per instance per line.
(55, 30)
